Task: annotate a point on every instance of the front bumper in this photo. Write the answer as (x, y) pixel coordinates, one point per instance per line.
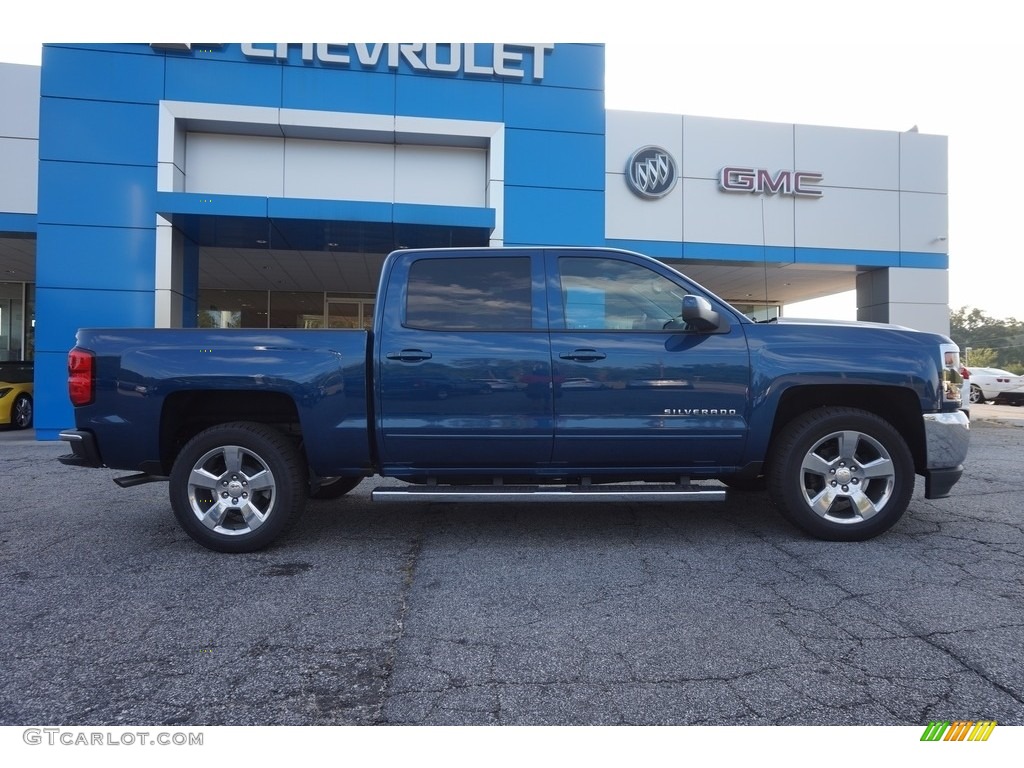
(84, 452)
(947, 436)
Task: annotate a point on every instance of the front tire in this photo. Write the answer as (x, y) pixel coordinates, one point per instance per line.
(237, 487)
(841, 474)
(976, 396)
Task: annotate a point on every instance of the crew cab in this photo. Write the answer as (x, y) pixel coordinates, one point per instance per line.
(524, 374)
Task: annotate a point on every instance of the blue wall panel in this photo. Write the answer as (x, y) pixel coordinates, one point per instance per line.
(448, 97)
(53, 411)
(211, 205)
(925, 260)
(575, 66)
(17, 222)
(67, 310)
(775, 254)
(550, 159)
(97, 195)
(537, 216)
(322, 89)
(115, 258)
(101, 75)
(847, 256)
(657, 249)
(554, 109)
(224, 82)
(61, 312)
(444, 215)
(98, 131)
(329, 210)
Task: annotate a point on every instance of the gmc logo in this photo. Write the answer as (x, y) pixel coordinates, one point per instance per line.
(736, 179)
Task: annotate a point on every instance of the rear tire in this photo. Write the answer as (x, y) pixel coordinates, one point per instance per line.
(841, 474)
(237, 487)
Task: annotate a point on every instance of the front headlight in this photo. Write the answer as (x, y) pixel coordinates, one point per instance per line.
(952, 381)
(5, 391)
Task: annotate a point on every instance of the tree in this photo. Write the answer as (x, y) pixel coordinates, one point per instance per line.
(982, 357)
(994, 343)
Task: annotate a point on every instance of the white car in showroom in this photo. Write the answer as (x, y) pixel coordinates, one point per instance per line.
(996, 385)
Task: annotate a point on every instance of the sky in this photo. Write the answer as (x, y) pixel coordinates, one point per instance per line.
(953, 69)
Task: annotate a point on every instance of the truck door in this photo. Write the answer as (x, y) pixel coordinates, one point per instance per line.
(632, 387)
(463, 364)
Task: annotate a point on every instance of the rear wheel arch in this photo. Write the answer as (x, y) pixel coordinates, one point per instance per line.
(187, 413)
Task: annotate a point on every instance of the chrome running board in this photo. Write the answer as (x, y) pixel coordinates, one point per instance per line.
(561, 494)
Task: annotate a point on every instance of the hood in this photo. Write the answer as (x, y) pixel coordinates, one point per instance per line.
(847, 323)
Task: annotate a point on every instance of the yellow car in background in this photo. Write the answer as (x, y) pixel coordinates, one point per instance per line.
(16, 395)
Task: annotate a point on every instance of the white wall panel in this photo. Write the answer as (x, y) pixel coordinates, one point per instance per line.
(626, 132)
(234, 165)
(851, 219)
(19, 97)
(19, 163)
(335, 170)
(441, 176)
(710, 143)
(630, 217)
(849, 157)
(924, 224)
(909, 284)
(915, 298)
(924, 163)
(339, 170)
(713, 216)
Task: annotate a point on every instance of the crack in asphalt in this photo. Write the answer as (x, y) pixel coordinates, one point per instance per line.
(410, 560)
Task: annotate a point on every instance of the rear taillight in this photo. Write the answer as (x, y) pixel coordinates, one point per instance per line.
(81, 376)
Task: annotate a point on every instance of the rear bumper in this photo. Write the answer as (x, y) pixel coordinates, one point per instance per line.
(947, 436)
(84, 452)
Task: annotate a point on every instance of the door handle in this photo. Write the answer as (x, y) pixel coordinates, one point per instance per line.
(409, 355)
(583, 355)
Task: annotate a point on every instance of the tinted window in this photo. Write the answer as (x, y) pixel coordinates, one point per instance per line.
(482, 294)
(605, 294)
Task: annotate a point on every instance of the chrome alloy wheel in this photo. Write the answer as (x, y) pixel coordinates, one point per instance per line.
(21, 414)
(231, 490)
(847, 477)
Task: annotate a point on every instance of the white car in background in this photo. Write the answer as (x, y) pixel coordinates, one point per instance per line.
(997, 385)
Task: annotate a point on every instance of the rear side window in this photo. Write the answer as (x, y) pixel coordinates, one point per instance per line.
(469, 294)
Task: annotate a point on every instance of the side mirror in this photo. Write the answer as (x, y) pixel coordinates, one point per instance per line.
(699, 315)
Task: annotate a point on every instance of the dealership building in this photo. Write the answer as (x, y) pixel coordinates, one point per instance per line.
(262, 184)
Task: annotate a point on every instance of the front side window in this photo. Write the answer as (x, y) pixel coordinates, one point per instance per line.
(470, 294)
(606, 294)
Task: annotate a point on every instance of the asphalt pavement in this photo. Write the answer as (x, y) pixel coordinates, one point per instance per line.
(704, 613)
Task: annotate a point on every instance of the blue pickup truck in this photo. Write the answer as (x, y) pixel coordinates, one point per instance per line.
(525, 374)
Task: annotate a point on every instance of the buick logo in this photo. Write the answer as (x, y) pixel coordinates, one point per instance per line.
(651, 172)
